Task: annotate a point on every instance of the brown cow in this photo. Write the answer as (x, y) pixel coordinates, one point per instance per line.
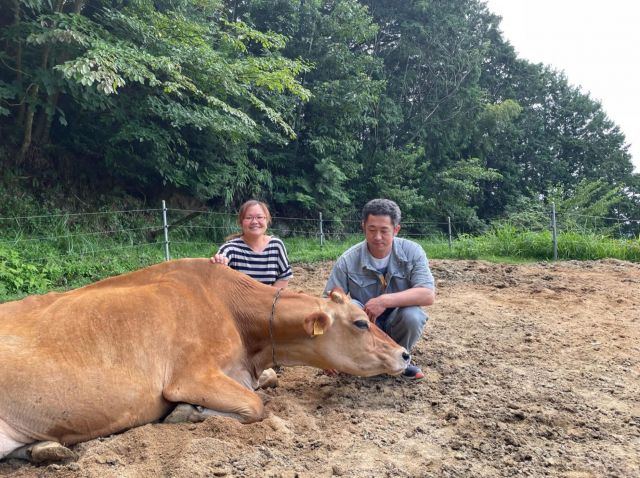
(122, 352)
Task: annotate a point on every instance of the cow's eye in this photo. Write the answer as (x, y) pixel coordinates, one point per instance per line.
(361, 324)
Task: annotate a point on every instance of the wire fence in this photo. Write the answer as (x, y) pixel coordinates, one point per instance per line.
(58, 251)
(165, 233)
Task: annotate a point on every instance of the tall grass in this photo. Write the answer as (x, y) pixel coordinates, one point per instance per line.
(508, 242)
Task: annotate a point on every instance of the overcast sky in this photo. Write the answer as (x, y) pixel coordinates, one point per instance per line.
(595, 43)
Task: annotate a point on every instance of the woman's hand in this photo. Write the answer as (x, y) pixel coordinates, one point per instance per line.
(219, 259)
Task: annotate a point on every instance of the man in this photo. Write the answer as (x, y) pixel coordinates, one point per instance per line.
(388, 277)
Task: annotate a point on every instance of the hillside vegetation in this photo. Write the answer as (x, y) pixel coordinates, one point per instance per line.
(311, 105)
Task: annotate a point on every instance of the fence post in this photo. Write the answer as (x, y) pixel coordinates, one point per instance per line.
(449, 226)
(554, 232)
(165, 226)
(321, 232)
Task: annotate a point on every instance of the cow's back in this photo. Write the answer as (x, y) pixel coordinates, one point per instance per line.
(94, 360)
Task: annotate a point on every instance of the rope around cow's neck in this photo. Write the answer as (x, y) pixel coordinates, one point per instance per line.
(271, 319)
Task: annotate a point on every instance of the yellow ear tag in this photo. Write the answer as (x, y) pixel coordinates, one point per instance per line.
(317, 328)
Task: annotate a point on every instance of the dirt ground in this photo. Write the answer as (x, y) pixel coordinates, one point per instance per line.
(531, 370)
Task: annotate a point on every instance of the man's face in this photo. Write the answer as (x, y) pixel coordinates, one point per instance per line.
(379, 232)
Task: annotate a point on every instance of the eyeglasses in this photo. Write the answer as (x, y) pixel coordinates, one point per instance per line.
(257, 218)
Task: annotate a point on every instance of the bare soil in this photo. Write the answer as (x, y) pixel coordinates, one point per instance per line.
(531, 370)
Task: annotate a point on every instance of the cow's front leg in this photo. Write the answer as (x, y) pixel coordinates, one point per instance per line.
(217, 395)
(44, 452)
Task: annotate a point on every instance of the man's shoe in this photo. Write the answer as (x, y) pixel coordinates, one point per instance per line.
(413, 373)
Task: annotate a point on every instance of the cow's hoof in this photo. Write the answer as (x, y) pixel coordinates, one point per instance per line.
(184, 413)
(50, 452)
(268, 379)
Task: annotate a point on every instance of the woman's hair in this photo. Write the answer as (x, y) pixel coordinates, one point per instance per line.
(242, 211)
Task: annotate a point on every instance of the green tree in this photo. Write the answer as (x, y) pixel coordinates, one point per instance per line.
(433, 54)
(156, 93)
(309, 104)
(318, 170)
(561, 135)
(590, 205)
(496, 133)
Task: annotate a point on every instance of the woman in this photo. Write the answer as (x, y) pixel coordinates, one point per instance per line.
(253, 252)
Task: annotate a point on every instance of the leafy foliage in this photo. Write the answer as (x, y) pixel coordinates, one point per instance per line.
(154, 90)
(308, 104)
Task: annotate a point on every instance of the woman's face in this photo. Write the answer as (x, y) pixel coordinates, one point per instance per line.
(254, 222)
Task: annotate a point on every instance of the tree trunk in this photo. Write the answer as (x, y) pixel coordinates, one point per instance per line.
(19, 77)
(23, 106)
(39, 122)
(28, 129)
(42, 131)
(233, 12)
(27, 137)
(46, 133)
(28, 120)
(45, 118)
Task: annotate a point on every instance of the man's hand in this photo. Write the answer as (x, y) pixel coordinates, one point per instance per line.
(374, 308)
(420, 296)
(219, 259)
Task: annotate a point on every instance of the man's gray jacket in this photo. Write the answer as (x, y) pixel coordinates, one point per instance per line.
(355, 273)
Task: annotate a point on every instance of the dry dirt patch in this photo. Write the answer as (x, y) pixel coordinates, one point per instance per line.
(532, 370)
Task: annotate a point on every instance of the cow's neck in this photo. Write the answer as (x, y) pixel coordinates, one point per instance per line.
(291, 341)
(255, 312)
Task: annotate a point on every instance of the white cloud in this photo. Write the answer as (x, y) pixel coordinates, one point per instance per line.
(592, 41)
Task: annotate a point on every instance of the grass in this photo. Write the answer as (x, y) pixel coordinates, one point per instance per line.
(31, 262)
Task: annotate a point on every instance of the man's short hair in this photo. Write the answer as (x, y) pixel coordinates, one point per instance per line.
(382, 207)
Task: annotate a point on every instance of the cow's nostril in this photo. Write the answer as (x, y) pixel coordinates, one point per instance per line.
(406, 356)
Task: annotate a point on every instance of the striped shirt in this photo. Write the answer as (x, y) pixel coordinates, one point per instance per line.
(268, 266)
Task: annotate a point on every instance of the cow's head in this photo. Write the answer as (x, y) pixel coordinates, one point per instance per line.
(344, 339)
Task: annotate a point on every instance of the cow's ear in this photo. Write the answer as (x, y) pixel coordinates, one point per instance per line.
(316, 323)
(337, 295)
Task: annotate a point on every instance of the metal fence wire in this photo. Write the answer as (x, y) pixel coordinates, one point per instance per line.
(78, 233)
